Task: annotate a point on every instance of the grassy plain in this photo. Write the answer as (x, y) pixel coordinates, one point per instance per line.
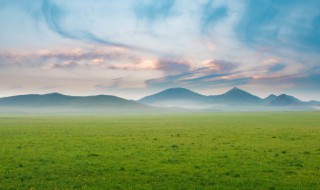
(177, 151)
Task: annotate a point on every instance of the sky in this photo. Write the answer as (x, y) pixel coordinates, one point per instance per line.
(133, 48)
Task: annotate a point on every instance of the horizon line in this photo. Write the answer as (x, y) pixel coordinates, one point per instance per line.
(42, 94)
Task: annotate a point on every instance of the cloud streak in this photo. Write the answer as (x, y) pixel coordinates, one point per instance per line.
(109, 58)
(212, 73)
(276, 68)
(54, 15)
(211, 14)
(280, 24)
(173, 65)
(153, 10)
(67, 58)
(222, 66)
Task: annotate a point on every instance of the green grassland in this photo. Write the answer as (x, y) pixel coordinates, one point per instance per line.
(173, 151)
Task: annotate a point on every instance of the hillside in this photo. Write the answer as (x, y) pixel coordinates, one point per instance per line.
(235, 96)
(60, 102)
(175, 97)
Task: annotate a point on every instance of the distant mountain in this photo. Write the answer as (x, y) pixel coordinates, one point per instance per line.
(235, 96)
(234, 99)
(178, 98)
(270, 98)
(314, 103)
(35, 100)
(285, 100)
(63, 102)
(181, 97)
(175, 97)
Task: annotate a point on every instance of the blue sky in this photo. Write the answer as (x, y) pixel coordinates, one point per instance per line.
(132, 48)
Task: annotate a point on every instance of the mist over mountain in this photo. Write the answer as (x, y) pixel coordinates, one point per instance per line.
(175, 97)
(235, 99)
(285, 100)
(171, 99)
(61, 103)
(270, 98)
(236, 96)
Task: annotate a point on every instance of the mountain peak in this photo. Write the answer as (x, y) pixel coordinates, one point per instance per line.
(236, 90)
(285, 100)
(283, 95)
(272, 95)
(177, 90)
(237, 96)
(270, 98)
(176, 93)
(54, 94)
(173, 95)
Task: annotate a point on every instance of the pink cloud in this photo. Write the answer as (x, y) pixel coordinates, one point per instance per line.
(173, 65)
(221, 65)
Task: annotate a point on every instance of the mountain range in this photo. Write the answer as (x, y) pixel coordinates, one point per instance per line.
(56, 102)
(179, 98)
(234, 99)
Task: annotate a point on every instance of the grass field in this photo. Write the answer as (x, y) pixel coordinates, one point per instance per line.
(178, 151)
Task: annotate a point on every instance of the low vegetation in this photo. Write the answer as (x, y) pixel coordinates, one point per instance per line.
(177, 151)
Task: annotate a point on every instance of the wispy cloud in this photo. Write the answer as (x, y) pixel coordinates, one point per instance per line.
(212, 73)
(221, 66)
(200, 82)
(280, 24)
(173, 65)
(54, 16)
(210, 15)
(109, 58)
(151, 11)
(276, 67)
(113, 84)
(67, 58)
(120, 83)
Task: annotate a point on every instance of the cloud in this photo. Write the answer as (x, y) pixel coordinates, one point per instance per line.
(67, 58)
(136, 65)
(15, 87)
(120, 83)
(280, 24)
(276, 68)
(211, 14)
(191, 80)
(166, 65)
(14, 58)
(212, 73)
(221, 66)
(173, 65)
(63, 65)
(110, 58)
(309, 82)
(309, 79)
(273, 67)
(151, 11)
(54, 16)
(114, 83)
(32, 7)
(64, 21)
(85, 54)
